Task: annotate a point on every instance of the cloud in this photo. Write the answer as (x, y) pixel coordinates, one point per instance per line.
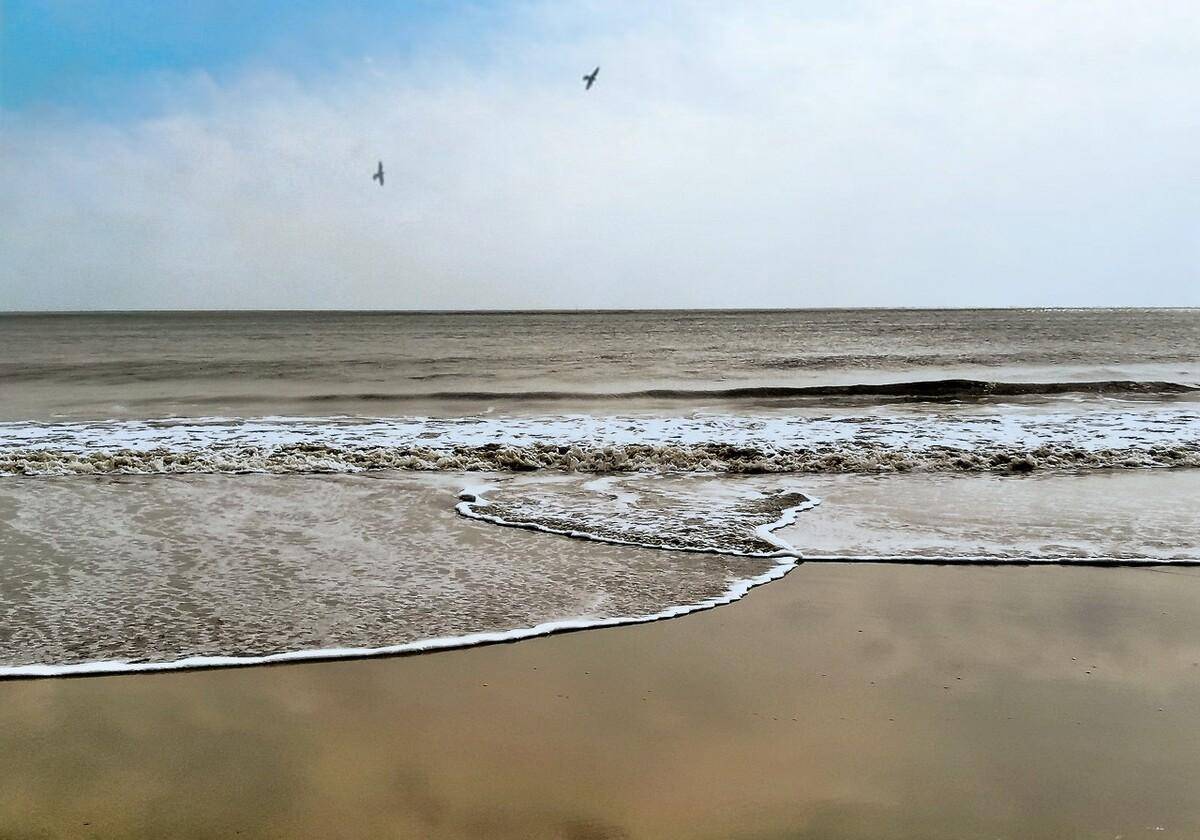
(934, 153)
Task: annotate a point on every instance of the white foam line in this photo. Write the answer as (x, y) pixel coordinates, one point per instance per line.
(736, 591)
(1136, 426)
(994, 560)
(468, 509)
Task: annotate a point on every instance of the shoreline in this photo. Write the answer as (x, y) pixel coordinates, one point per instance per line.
(735, 594)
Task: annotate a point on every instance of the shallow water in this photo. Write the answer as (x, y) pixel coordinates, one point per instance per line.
(138, 573)
(1115, 514)
(157, 570)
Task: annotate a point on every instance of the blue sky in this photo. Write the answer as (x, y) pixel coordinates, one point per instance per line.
(861, 153)
(99, 56)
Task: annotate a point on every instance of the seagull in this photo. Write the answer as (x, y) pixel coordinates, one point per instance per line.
(378, 176)
(590, 78)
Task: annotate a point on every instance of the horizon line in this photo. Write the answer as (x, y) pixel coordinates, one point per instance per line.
(577, 311)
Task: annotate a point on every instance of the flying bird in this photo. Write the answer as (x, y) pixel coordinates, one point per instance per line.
(378, 176)
(590, 78)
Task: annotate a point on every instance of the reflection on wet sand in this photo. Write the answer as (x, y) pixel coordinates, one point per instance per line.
(841, 702)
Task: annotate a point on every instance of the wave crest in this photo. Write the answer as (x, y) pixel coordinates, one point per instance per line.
(933, 390)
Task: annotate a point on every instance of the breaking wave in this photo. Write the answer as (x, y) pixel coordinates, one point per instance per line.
(1130, 437)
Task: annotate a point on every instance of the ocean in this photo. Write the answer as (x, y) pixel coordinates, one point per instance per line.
(198, 489)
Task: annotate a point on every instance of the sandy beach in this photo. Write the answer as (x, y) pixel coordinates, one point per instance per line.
(845, 701)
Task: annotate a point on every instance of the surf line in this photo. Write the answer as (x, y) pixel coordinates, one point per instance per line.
(788, 556)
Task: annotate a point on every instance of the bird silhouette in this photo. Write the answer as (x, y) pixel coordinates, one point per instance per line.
(378, 176)
(590, 78)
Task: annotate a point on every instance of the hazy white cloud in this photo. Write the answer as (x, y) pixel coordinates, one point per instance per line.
(932, 153)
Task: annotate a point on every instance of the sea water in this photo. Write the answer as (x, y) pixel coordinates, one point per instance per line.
(201, 489)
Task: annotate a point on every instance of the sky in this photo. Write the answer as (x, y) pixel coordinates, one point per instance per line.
(218, 154)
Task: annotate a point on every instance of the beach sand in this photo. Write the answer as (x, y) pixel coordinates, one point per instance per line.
(845, 701)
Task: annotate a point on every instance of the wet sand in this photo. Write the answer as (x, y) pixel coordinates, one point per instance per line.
(845, 701)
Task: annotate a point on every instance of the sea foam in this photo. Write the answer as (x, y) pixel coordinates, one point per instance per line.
(976, 440)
